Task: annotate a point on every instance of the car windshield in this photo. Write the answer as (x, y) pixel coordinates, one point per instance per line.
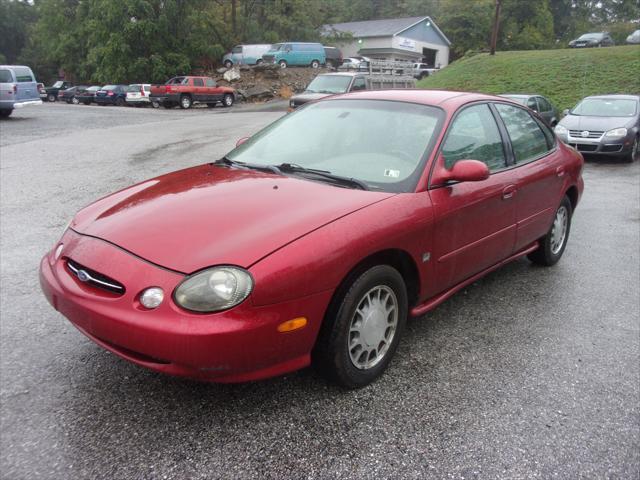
(590, 36)
(93, 89)
(58, 84)
(178, 81)
(133, 88)
(606, 107)
(381, 143)
(329, 84)
(275, 47)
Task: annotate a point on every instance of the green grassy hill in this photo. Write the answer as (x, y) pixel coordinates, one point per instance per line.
(564, 76)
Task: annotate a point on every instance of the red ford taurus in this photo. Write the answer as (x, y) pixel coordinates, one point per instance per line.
(315, 239)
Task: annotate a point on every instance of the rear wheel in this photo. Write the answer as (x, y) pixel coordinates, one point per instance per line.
(363, 327)
(282, 63)
(228, 64)
(315, 64)
(75, 101)
(5, 113)
(258, 61)
(227, 100)
(51, 97)
(552, 245)
(185, 102)
(119, 102)
(155, 104)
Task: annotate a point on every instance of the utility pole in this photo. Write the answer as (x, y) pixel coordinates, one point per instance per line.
(494, 33)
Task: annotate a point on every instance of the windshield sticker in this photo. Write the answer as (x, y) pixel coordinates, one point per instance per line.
(391, 173)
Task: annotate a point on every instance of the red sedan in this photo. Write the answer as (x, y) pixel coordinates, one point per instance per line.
(315, 239)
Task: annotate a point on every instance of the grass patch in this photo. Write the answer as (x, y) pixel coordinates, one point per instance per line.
(564, 76)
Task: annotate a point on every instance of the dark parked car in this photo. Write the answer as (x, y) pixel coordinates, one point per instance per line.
(539, 104)
(604, 124)
(334, 56)
(112, 95)
(52, 91)
(597, 39)
(69, 95)
(87, 96)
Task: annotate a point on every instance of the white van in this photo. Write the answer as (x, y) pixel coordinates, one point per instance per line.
(245, 55)
(18, 88)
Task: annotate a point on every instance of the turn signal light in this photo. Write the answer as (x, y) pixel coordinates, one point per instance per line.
(293, 324)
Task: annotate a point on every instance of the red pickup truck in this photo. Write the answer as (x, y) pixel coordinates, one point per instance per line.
(187, 90)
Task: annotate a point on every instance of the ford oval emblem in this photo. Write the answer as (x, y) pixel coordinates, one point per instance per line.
(584, 133)
(83, 276)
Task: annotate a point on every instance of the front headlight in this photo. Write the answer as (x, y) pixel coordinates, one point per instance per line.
(560, 130)
(616, 132)
(292, 104)
(214, 289)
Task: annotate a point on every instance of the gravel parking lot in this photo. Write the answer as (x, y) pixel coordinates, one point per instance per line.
(528, 373)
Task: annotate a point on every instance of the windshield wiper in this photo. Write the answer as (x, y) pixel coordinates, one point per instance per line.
(295, 168)
(250, 166)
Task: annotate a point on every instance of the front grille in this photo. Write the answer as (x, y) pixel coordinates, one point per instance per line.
(585, 147)
(590, 133)
(95, 279)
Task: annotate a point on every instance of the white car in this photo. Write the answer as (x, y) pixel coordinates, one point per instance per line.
(138, 94)
(354, 63)
(634, 38)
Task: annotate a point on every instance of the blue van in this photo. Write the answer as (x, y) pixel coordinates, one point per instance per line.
(18, 88)
(245, 55)
(296, 53)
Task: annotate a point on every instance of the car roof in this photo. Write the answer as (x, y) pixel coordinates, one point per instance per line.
(342, 74)
(452, 99)
(519, 95)
(15, 66)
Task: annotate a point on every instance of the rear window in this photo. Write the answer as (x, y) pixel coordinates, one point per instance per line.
(109, 87)
(23, 75)
(5, 76)
(133, 88)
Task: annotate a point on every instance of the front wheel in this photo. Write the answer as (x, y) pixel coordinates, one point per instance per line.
(52, 97)
(75, 101)
(228, 64)
(185, 102)
(315, 64)
(552, 245)
(155, 104)
(5, 113)
(363, 327)
(119, 102)
(634, 154)
(282, 63)
(227, 100)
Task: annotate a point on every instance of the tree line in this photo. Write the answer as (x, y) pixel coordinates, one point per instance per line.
(150, 40)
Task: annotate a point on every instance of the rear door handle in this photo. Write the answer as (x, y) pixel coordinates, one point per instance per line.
(560, 171)
(508, 192)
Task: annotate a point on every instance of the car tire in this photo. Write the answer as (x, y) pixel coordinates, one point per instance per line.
(634, 154)
(551, 247)
(315, 64)
(185, 102)
(51, 97)
(282, 63)
(120, 102)
(228, 64)
(155, 104)
(227, 100)
(75, 101)
(5, 113)
(259, 61)
(363, 327)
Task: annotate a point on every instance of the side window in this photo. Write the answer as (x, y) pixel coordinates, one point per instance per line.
(210, 83)
(527, 138)
(359, 84)
(24, 75)
(237, 49)
(198, 82)
(544, 105)
(531, 103)
(147, 88)
(474, 135)
(5, 76)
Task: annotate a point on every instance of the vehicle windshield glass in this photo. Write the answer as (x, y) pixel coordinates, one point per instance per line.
(58, 84)
(109, 87)
(177, 81)
(606, 107)
(520, 100)
(381, 143)
(276, 47)
(590, 36)
(93, 89)
(329, 84)
(133, 88)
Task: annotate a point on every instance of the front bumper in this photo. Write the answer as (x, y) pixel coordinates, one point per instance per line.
(240, 344)
(603, 146)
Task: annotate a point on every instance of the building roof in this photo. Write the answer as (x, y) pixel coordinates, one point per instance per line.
(379, 28)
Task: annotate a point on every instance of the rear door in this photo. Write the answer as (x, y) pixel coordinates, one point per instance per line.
(475, 222)
(6, 85)
(27, 85)
(214, 92)
(539, 171)
(199, 91)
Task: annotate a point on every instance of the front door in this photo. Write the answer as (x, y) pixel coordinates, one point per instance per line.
(475, 222)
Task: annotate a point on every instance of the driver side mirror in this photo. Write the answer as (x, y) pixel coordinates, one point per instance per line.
(241, 141)
(565, 112)
(463, 171)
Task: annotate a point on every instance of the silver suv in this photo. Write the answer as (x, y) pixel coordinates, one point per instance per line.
(18, 88)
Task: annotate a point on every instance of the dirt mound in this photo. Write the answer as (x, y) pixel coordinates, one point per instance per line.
(264, 82)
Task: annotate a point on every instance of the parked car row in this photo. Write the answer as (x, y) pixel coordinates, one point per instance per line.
(284, 54)
(601, 39)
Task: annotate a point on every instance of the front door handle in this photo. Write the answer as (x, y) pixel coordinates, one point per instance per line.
(508, 192)
(560, 171)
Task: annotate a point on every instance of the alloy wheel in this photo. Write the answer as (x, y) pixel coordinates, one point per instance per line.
(559, 229)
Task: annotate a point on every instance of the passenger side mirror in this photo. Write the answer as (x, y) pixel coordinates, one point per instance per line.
(565, 112)
(241, 141)
(464, 171)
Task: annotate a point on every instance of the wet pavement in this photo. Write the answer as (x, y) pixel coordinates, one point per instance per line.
(529, 373)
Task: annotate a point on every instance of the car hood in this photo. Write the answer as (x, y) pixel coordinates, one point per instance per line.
(210, 215)
(309, 97)
(582, 122)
